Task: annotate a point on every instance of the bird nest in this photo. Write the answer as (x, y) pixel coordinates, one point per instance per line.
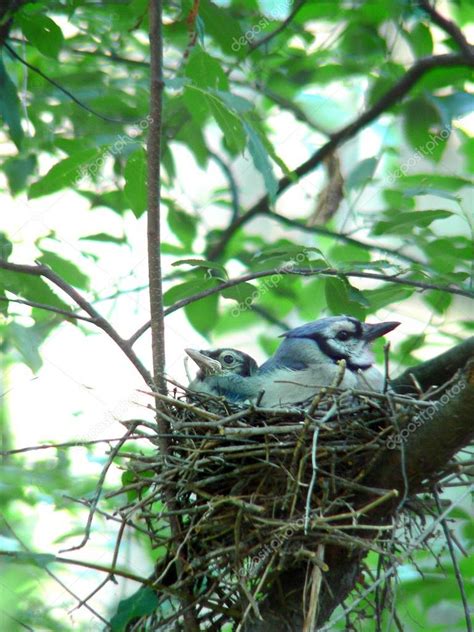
(256, 491)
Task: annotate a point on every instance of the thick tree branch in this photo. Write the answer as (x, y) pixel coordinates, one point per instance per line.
(390, 98)
(154, 202)
(156, 280)
(436, 371)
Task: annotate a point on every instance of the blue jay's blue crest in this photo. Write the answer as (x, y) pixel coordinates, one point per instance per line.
(227, 372)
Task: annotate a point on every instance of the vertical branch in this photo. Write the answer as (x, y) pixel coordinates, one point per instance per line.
(154, 187)
(156, 285)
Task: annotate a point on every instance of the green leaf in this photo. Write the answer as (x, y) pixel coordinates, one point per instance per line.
(66, 173)
(104, 237)
(188, 288)
(362, 173)
(439, 301)
(140, 604)
(41, 32)
(433, 181)
(203, 263)
(423, 126)
(342, 298)
(6, 247)
(18, 171)
(183, 225)
(203, 314)
(225, 31)
(32, 288)
(420, 40)
(387, 294)
(244, 293)
(403, 223)
(65, 269)
(230, 124)
(10, 105)
(261, 161)
(206, 71)
(136, 182)
(26, 340)
(234, 102)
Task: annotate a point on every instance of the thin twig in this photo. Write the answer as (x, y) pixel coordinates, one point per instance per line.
(54, 83)
(450, 28)
(98, 320)
(457, 571)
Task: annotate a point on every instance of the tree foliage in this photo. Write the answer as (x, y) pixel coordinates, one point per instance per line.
(330, 141)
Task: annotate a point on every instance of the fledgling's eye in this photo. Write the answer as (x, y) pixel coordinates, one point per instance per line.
(343, 335)
(228, 358)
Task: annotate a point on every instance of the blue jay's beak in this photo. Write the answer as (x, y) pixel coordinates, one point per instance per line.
(204, 362)
(371, 332)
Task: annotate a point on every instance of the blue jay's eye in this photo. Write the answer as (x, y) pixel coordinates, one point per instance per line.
(343, 335)
(228, 358)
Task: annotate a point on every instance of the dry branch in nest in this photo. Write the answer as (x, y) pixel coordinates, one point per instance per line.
(259, 490)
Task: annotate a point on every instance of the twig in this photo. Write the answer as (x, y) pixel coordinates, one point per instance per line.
(316, 579)
(98, 320)
(267, 38)
(450, 28)
(391, 571)
(456, 568)
(306, 272)
(48, 308)
(54, 83)
(53, 576)
(95, 500)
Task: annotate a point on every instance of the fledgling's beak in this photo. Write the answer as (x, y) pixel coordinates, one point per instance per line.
(371, 332)
(204, 362)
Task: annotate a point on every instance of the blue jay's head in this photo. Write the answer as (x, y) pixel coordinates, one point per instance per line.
(222, 362)
(328, 340)
(225, 372)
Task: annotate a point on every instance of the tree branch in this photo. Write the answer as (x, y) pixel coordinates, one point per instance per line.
(390, 98)
(436, 371)
(450, 28)
(98, 320)
(154, 201)
(305, 272)
(277, 31)
(54, 83)
(48, 308)
(156, 282)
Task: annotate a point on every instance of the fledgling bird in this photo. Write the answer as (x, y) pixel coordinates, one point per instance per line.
(227, 372)
(308, 358)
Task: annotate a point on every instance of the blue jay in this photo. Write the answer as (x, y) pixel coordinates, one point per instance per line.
(225, 372)
(308, 357)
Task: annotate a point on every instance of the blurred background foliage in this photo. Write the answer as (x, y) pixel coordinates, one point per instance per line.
(252, 90)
